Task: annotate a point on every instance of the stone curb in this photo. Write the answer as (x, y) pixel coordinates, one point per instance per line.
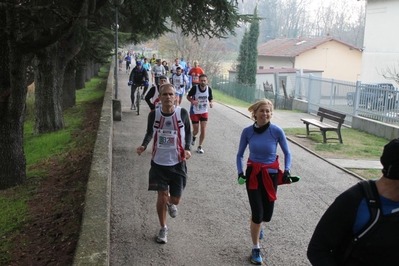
(94, 239)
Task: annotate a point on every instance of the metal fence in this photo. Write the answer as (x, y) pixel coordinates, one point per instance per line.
(248, 94)
(377, 101)
(327, 93)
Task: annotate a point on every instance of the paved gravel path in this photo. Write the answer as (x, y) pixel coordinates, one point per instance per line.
(213, 223)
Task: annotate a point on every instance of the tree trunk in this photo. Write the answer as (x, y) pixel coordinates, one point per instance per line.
(51, 64)
(89, 67)
(12, 114)
(80, 76)
(93, 70)
(4, 64)
(49, 75)
(98, 67)
(69, 92)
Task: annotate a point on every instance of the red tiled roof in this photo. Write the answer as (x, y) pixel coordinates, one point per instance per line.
(291, 47)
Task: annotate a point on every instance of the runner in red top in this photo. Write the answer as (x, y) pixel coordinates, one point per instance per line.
(195, 73)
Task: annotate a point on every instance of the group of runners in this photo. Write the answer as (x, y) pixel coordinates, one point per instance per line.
(170, 129)
(187, 81)
(169, 125)
(128, 58)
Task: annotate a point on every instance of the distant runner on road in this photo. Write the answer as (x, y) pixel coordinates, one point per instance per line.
(201, 98)
(179, 80)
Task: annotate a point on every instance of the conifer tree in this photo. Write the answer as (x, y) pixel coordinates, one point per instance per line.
(242, 59)
(248, 54)
(252, 58)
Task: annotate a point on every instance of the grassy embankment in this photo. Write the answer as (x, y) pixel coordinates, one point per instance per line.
(39, 151)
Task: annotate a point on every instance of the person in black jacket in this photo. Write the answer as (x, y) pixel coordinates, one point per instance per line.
(349, 214)
(138, 77)
(151, 97)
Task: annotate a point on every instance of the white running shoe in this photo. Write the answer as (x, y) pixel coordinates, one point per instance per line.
(200, 150)
(162, 235)
(172, 210)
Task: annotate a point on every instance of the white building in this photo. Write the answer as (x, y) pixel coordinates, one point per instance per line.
(381, 41)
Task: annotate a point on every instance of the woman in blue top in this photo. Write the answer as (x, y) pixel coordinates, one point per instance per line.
(263, 172)
(147, 65)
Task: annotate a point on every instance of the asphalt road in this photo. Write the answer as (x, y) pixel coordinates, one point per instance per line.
(212, 227)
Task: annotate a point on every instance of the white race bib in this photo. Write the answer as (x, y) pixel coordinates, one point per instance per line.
(167, 139)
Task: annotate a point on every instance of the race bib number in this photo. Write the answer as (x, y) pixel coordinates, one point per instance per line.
(202, 105)
(195, 79)
(167, 139)
(177, 83)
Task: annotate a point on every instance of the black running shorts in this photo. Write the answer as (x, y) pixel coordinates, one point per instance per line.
(172, 178)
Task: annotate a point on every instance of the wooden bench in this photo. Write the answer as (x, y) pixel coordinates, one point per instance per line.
(324, 127)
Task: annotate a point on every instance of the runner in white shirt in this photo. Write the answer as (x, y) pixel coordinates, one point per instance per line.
(157, 71)
(179, 80)
(201, 99)
(169, 127)
(175, 66)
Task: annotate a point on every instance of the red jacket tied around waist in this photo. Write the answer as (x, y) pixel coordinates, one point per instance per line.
(267, 181)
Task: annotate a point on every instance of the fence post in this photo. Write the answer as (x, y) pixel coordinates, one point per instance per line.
(357, 98)
(297, 84)
(332, 92)
(309, 91)
(277, 83)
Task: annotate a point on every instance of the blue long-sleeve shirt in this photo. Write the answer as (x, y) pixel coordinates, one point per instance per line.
(263, 147)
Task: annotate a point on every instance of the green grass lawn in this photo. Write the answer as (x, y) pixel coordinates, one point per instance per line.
(39, 149)
(357, 144)
(226, 99)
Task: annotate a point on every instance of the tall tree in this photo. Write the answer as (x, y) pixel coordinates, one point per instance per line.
(208, 51)
(268, 10)
(242, 59)
(45, 26)
(253, 50)
(30, 27)
(200, 18)
(248, 55)
(341, 19)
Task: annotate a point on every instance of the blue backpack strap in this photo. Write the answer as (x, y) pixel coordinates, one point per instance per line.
(370, 192)
(373, 201)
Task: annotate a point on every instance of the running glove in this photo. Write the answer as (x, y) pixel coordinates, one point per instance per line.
(146, 83)
(287, 176)
(130, 83)
(241, 179)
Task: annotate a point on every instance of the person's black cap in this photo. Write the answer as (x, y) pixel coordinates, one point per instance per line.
(390, 160)
(163, 77)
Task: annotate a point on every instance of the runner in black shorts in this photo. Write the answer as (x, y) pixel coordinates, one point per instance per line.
(170, 128)
(173, 178)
